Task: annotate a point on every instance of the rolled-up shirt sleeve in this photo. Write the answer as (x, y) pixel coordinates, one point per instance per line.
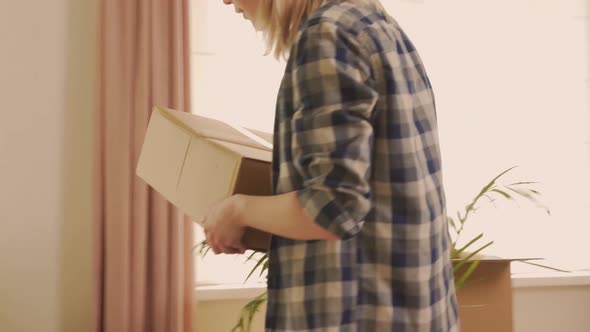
(332, 132)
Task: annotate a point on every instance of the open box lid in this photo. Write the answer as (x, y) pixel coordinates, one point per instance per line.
(496, 259)
(248, 143)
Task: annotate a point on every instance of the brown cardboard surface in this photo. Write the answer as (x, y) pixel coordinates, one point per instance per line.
(254, 178)
(195, 162)
(485, 302)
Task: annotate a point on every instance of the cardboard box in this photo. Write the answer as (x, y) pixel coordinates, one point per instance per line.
(485, 300)
(195, 161)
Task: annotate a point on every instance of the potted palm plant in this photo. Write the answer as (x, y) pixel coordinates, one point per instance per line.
(464, 257)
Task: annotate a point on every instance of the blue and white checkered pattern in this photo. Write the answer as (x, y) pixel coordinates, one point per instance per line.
(356, 138)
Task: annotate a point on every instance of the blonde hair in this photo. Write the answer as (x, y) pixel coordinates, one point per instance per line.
(280, 21)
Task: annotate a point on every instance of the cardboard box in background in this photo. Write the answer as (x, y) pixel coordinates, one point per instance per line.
(195, 161)
(485, 300)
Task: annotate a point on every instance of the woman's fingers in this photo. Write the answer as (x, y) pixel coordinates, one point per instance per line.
(240, 249)
(216, 249)
(219, 248)
(231, 251)
(228, 249)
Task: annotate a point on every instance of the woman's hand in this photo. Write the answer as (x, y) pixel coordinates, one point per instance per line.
(223, 227)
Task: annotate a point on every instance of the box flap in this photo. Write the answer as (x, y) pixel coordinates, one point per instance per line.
(246, 151)
(215, 129)
(264, 135)
(498, 259)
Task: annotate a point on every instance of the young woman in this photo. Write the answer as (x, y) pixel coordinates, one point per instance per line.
(361, 240)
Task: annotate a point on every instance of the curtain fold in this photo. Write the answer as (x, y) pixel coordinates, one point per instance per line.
(143, 259)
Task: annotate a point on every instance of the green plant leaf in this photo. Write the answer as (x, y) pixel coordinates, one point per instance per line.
(523, 183)
(545, 266)
(247, 313)
(490, 199)
(459, 217)
(260, 262)
(459, 282)
(491, 184)
(458, 252)
(251, 256)
(203, 248)
(195, 247)
(531, 198)
(503, 193)
(472, 206)
(528, 194)
(466, 259)
(502, 174)
(469, 208)
(452, 223)
(264, 267)
(522, 193)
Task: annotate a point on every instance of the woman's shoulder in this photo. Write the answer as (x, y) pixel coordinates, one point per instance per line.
(360, 24)
(352, 16)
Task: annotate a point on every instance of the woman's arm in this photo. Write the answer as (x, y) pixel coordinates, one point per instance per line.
(330, 147)
(281, 215)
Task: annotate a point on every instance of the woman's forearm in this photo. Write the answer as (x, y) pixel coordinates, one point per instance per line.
(281, 215)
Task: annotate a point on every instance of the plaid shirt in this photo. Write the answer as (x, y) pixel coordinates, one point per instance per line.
(356, 138)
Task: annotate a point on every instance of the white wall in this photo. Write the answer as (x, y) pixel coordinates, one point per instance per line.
(47, 87)
(550, 309)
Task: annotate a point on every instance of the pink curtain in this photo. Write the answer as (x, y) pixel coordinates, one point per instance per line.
(143, 266)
